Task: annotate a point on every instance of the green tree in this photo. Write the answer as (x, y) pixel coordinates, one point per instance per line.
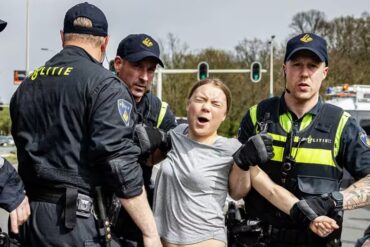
(349, 58)
(5, 123)
(311, 21)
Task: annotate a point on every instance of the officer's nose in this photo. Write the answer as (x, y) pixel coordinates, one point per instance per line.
(305, 71)
(144, 74)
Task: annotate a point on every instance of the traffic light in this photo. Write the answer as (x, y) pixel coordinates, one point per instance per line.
(203, 70)
(256, 73)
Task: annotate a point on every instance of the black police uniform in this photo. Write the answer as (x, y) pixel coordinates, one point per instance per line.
(314, 171)
(149, 110)
(363, 239)
(72, 125)
(11, 187)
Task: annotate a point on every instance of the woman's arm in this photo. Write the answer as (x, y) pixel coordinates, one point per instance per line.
(277, 195)
(284, 200)
(239, 182)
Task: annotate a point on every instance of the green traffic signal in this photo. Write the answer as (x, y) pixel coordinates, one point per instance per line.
(203, 68)
(203, 76)
(256, 72)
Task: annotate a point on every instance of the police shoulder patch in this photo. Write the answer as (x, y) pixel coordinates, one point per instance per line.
(124, 109)
(365, 139)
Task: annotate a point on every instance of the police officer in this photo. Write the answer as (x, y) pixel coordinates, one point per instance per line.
(365, 240)
(135, 63)
(72, 124)
(312, 142)
(12, 195)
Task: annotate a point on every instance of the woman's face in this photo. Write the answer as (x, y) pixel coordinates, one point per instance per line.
(206, 110)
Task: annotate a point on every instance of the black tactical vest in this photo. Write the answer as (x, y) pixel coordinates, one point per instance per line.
(304, 161)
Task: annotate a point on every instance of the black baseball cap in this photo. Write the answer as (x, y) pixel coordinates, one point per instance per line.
(307, 41)
(136, 47)
(2, 25)
(97, 17)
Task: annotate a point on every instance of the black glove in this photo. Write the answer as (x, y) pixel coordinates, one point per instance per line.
(304, 211)
(257, 150)
(151, 138)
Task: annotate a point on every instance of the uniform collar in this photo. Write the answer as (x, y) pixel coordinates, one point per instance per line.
(314, 111)
(80, 51)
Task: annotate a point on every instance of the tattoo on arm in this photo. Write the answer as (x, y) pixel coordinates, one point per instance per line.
(357, 195)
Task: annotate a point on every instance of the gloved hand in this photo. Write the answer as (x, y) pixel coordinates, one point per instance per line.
(257, 150)
(304, 211)
(151, 138)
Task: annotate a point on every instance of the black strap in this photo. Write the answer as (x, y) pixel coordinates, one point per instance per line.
(70, 208)
(270, 106)
(328, 117)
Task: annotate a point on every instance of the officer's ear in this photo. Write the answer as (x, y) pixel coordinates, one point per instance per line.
(62, 37)
(118, 62)
(104, 45)
(325, 72)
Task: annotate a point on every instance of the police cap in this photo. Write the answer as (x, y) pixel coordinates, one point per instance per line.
(93, 13)
(307, 41)
(136, 47)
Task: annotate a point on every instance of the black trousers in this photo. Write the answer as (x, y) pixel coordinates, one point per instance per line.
(46, 227)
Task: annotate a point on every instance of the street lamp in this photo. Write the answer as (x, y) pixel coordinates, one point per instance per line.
(271, 42)
(27, 40)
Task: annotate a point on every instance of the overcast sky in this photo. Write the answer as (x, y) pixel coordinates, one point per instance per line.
(199, 23)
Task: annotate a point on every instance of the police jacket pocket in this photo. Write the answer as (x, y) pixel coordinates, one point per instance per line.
(312, 185)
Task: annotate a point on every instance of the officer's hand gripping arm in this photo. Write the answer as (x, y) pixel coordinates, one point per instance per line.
(304, 211)
(257, 150)
(151, 138)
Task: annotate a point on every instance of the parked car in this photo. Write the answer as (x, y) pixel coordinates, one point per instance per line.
(6, 141)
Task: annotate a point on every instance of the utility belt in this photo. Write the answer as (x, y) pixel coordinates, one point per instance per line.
(78, 204)
(75, 203)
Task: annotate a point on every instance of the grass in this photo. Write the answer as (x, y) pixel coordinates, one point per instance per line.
(11, 157)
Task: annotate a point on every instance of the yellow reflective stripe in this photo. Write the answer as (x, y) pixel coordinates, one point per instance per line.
(307, 119)
(253, 114)
(281, 138)
(276, 137)
(162, 112)
(285, 122)
(338, 135)
(314, 156)
(278, 154)
(306, 155)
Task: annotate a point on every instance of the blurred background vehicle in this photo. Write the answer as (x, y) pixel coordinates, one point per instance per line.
(6, 141)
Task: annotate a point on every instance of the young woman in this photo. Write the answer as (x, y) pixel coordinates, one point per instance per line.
(199, 171)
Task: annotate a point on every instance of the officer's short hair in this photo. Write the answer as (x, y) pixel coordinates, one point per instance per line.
(98, 26)
(84, 22)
